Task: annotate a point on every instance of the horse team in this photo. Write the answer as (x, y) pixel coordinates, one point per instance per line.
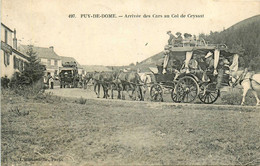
(136, 84)
(132, 82)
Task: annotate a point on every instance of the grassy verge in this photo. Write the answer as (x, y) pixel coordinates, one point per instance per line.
(47, 129)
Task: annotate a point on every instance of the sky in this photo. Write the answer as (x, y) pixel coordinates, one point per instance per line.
(117, 41)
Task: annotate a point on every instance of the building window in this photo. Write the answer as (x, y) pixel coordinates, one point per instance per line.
(6, 59)
(6, 36)
(22, 65)
(18, 64)
(20, 68)
(56, 63)
(15, 62)
(49, 62)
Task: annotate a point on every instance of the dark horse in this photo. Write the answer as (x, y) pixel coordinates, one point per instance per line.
(104, 79)
(107, 82)
(86, 79)
(126, 81)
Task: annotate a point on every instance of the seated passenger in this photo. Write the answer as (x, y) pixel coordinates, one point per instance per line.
(172, 66)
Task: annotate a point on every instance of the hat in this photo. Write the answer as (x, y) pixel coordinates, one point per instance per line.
(168, 32)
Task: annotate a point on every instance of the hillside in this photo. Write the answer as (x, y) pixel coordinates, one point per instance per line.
(93, 68)
(245, 22)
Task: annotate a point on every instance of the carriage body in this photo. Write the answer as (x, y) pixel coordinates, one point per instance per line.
(185, 83)
(68, 75)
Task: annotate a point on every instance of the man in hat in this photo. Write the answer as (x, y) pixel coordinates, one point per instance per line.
(209, 61)
(209, 66)
(171, 38)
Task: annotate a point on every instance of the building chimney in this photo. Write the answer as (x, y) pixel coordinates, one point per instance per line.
(15, 40)
(52, 48)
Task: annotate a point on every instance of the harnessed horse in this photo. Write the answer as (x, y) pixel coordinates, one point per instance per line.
(248, 80)
(126, 81)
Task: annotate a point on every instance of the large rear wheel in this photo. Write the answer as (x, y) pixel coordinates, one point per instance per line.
(186, 90)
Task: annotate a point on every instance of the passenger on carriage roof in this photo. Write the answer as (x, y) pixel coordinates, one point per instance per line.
(171, 39)
(178, 41)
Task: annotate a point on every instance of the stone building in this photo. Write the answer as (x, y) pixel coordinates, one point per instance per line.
(12, 60)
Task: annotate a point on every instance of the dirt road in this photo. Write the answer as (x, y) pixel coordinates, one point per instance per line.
(111, 132)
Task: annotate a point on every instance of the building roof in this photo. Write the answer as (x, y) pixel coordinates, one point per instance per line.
(65, 59)
(41, 52)
(93, 68)
(25, 56)
(6, 27)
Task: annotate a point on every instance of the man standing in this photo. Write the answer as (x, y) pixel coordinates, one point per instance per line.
(52, 82)
(171, 38)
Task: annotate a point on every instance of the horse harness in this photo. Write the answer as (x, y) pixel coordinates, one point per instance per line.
(242, 78)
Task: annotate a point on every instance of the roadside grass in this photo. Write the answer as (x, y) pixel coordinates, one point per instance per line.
(234, 97)
(42, 129)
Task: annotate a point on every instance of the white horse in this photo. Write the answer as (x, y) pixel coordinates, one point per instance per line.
(146, 80)
(248, 80)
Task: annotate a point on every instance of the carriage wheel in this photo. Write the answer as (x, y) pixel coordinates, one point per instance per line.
(186, 90)
(156, 93)
(175, 98)
(209, 93)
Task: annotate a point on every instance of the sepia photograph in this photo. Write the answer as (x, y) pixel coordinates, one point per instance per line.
(130, 82)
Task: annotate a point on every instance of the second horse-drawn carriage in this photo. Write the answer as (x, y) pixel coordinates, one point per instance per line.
(68, 75)
(191, 72)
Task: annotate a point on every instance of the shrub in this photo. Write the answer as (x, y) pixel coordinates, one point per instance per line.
(81, 101)
(5, 82)
(28, 91)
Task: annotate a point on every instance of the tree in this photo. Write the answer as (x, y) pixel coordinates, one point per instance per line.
(33, 69)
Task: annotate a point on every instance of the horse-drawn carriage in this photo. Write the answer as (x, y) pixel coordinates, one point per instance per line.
(69, 75)
(204, 71)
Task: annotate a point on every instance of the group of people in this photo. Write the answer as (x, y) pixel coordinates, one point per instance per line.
(179, 41)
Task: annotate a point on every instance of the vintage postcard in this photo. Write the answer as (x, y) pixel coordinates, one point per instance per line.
(130, 82)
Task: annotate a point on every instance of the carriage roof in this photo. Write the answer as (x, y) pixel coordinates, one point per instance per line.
(181, 51)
